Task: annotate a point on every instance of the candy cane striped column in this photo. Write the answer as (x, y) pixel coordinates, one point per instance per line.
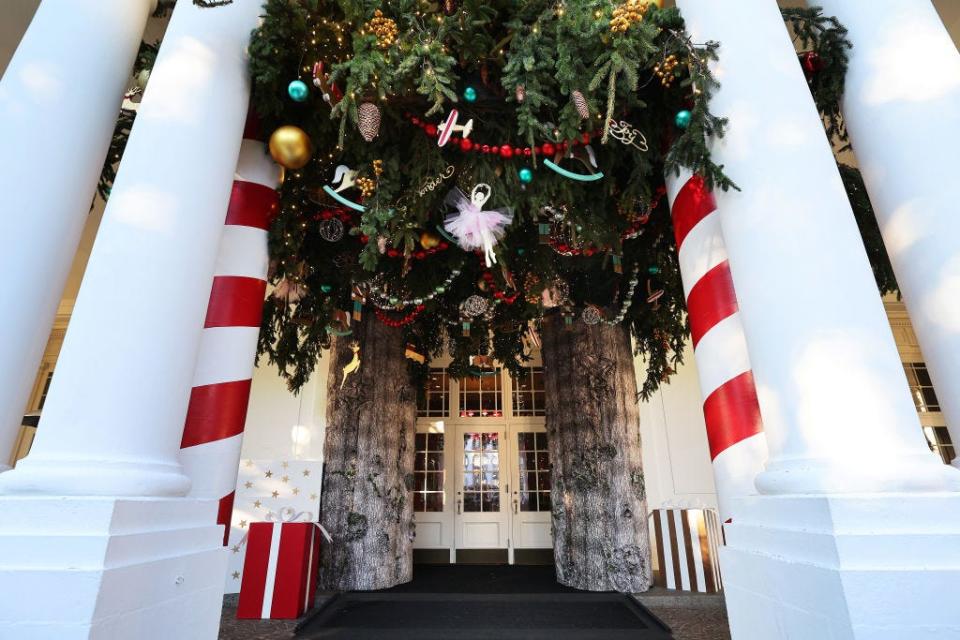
(730, 408)
(213, 432)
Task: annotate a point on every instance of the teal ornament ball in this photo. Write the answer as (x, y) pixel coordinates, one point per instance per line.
(526, 176)
(326, 288)
(683, 118)
(298, 91)
(470, 94)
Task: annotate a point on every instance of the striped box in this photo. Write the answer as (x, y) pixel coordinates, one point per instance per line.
(686, 550)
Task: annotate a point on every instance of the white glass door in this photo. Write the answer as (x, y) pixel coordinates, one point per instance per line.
(530, 485)
(482, 513)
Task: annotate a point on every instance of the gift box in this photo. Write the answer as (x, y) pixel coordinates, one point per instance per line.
(686, 549)
(280, 570)
(265, 488)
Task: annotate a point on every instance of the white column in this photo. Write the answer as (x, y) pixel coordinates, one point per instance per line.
(114, 416)
(108, 549)
(902, 111)
(59, 101)
(859, 527)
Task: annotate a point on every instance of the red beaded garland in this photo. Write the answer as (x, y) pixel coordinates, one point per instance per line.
(506, 152)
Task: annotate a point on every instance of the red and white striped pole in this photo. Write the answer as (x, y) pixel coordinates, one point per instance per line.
(213, 432)
(730, 407)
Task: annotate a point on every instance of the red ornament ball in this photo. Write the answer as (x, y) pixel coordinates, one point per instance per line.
(431, 130)
(506, 152)
(811, 62)
(466, 145)
(549, 149)
(485, 148)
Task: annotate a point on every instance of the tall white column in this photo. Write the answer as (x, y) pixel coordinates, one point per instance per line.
(859, 526)
(902, 111)
(96, 540)
(115, 411)
(59, 101)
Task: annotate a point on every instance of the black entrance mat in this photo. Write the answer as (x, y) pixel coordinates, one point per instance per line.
(471, 578)
(473, 616)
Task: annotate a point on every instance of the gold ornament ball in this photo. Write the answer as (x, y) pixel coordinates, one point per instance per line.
(290, 147)
(429, 240)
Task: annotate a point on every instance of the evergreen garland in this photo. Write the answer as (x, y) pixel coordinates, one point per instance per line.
(524, 62)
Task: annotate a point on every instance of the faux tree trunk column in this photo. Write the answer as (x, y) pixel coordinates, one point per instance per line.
(368, 455)
(600, 536)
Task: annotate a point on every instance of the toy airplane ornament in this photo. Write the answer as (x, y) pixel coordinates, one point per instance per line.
(447, 129)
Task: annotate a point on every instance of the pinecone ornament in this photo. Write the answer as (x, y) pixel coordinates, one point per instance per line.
(580, 103)
(368, 120)
(520, 92)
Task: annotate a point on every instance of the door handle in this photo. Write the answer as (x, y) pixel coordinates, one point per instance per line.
(459, 502)
(515, 506)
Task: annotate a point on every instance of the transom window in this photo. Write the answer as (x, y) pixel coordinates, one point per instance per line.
(481, 396)
(528, 393)
(435, 402)
(534, 471)
(481, 472)
(921, 387)
(428, 472)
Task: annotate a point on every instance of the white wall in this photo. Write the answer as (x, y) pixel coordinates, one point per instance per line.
(274, 411)
(676, 457)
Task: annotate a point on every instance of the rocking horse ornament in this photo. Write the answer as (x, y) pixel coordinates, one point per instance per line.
(472, 227)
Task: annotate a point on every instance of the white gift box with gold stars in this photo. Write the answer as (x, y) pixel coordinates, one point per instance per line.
(264, 488)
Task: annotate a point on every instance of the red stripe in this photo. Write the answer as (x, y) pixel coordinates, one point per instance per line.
(235, 301)
(693, 203)
(254, 581)
(224, 512)
(252, 205)
(711, 300)
(293, 572)
(732, 413)
(215, 412)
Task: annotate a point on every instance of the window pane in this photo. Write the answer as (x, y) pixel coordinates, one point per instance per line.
(491, 502)
(526, 440)
(543, 460)
(544, 481)
(434, 502)
(542, 441)
(418, 502)
(471, 441)
(435, 461)
(471, 481)
(420, 441)
(545, 501)
(528, 481)
(420, 462)
(491, 481)
(434, 481)
(491, 441)
(435, 441)
(528, 501)
(471, 501)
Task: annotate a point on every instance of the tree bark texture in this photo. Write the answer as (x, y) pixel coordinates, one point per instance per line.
(600, 532)
(368, 456)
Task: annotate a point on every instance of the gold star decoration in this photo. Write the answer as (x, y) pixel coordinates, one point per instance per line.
(248, 484)
(276, 494)
(249, 463)
(284, 464)
(257, 504)
(268, 474)
(313, 496)
(236, 575)
(235, 548)
(306, 472)
(285, 479)
(243, 524)
(296, 491)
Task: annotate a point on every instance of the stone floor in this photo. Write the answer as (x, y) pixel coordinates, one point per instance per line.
(692, 617)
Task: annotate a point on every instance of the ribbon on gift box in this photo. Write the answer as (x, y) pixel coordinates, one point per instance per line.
(289, 514)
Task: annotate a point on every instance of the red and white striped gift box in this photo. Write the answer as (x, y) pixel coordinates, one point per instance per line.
(685, 553)
(280, 570)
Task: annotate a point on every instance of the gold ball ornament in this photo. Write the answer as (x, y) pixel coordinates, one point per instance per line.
(290, 147)
(429, 240)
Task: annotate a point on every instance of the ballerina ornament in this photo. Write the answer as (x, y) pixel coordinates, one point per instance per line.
(472, 227)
